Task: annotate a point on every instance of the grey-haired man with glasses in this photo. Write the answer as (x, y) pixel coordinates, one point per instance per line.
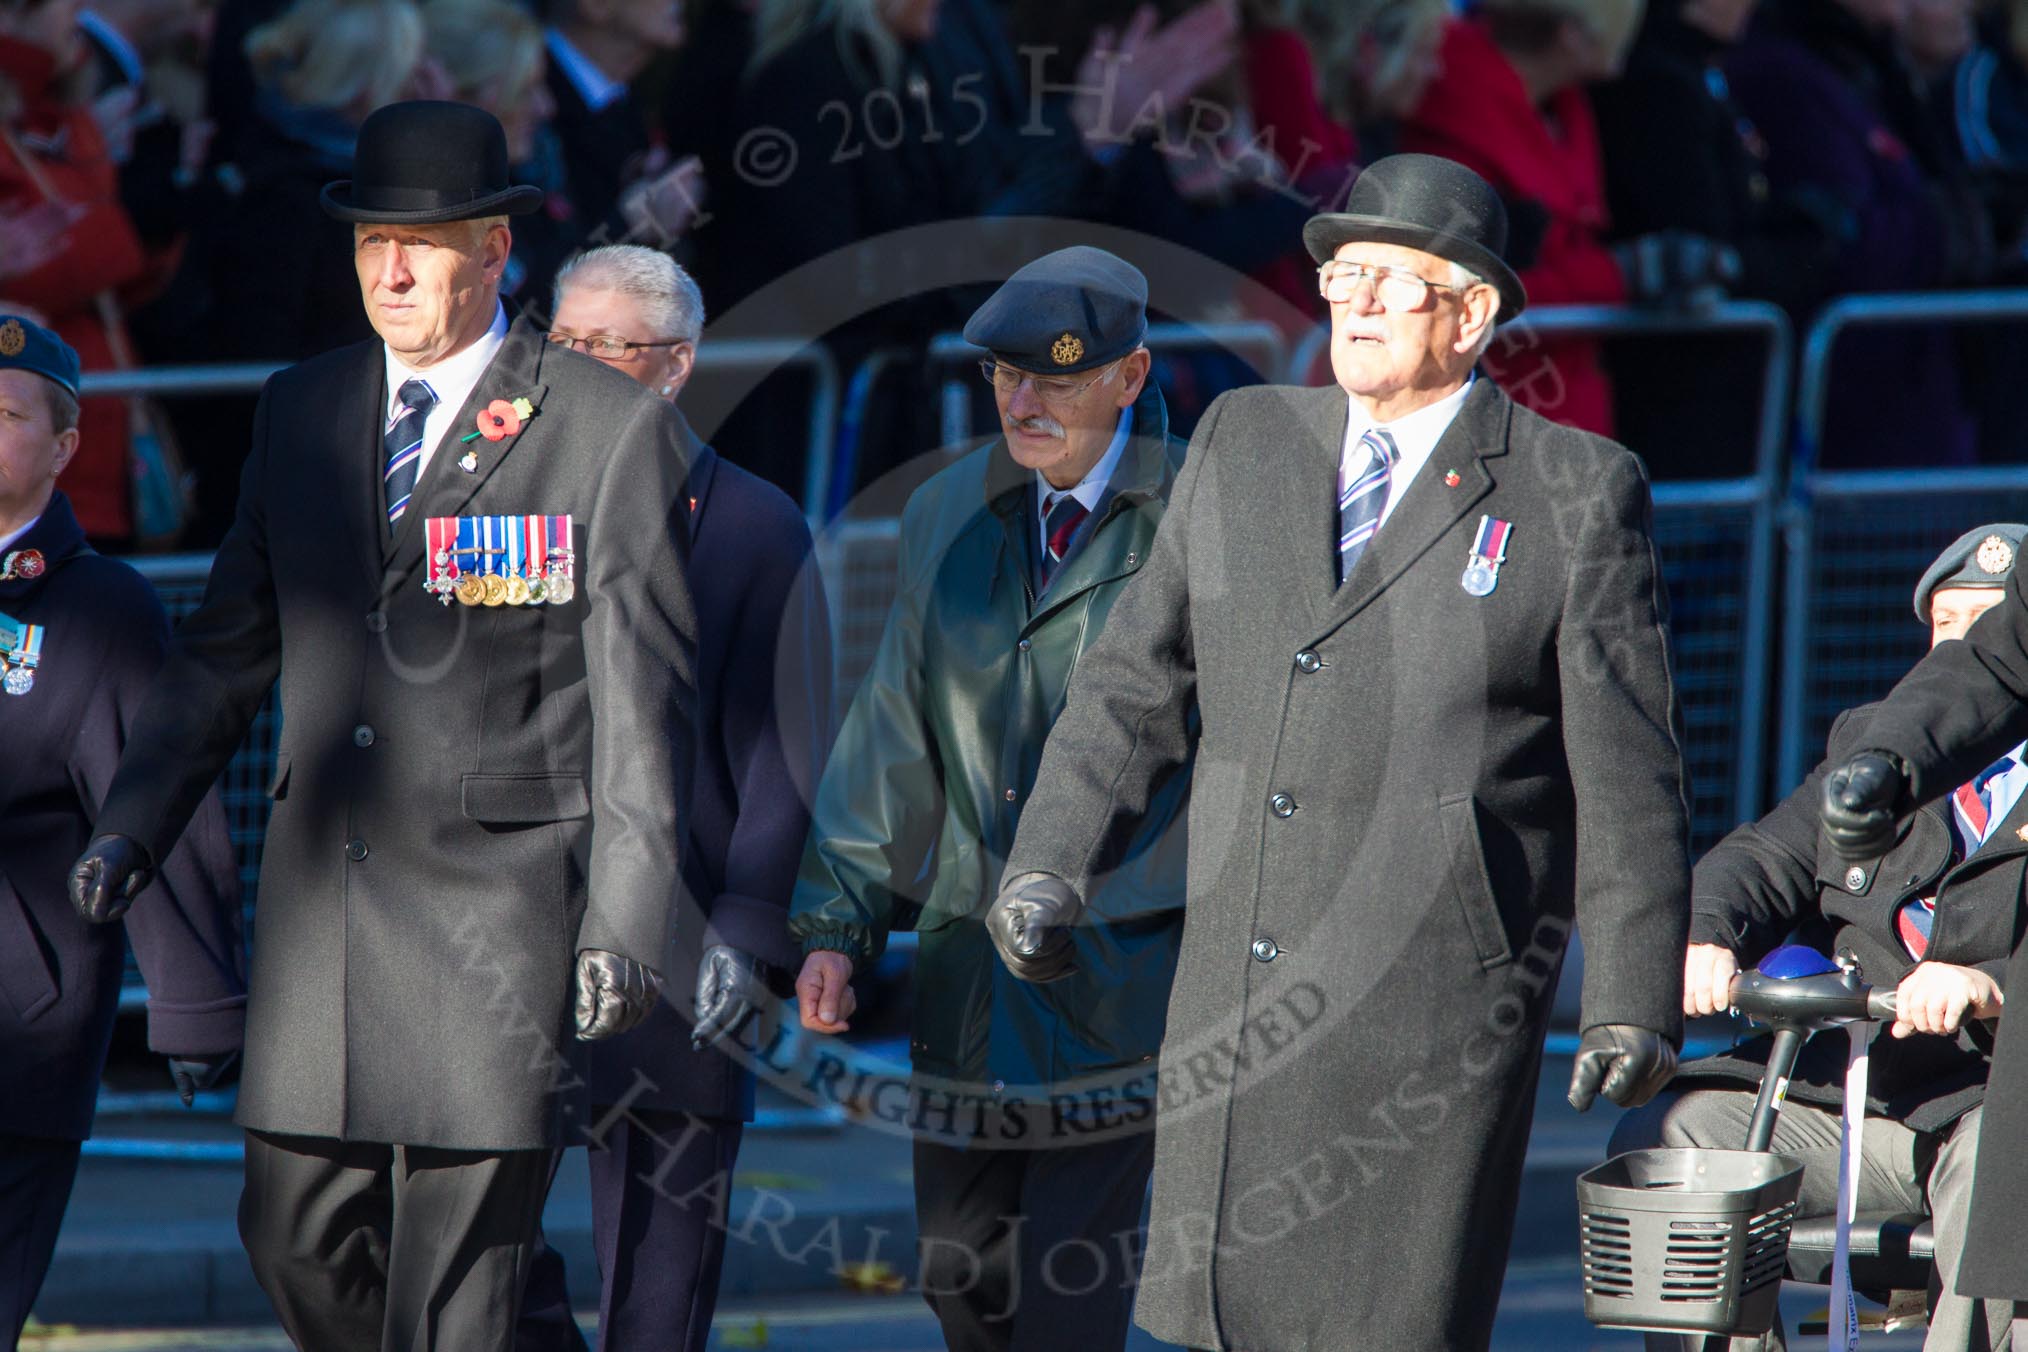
(1032, 1105)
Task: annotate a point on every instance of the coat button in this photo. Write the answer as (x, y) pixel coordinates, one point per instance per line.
(1282, 805)
(1855, 879)
(1264, 950)
(355, 849)
(376, 622)
(1011, 795)
(1025, 645)
(999, 1086)
(1309, 663)
(362, 736)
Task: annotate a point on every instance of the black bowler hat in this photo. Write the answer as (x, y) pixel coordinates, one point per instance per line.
(1429, 203)
(424, 163)
(1073, 310)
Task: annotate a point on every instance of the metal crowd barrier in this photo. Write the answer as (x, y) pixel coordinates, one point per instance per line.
(1856, 540)
(727, 355)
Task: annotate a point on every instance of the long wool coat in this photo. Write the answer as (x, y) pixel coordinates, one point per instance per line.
(465, 797)
(103, 638)
(1964, 704)
(1403, 796)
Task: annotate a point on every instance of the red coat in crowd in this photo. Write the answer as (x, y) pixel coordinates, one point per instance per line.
(1545, 163)
(100, 253)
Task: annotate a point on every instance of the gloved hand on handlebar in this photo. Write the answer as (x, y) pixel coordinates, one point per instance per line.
(1862, 801)
(1627, 1063)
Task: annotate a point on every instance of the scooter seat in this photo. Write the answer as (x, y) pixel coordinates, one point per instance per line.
(1891, 1251)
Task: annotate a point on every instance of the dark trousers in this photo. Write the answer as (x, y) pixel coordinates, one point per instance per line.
(403, 1248)
(660, 1186)
(1032, 1250)
(36, 1175)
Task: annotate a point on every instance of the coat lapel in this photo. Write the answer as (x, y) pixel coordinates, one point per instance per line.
(445, 488)
(1430, 506)
(1140, 484)
(358, 403)
(1306, 499)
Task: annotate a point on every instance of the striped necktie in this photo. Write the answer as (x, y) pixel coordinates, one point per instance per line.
(1361, 502)
(1973, 804)
(404, 440)
(1062, 515)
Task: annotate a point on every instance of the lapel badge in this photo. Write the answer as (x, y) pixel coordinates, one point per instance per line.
(469, 462)
(23, 564)
(1489, 551)
(1452, 478)
(2023, 834)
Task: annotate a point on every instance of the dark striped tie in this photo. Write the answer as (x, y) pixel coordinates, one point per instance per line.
(404, 441)
(1361, 501)
(1063, 514)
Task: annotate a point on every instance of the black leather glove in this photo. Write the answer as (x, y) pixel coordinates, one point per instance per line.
(196, 1074)
(1627, 1063)
(107, 877)
(1861, 798)
(1676, 267)
(1030, 924)
(613, 993)
(732, 992)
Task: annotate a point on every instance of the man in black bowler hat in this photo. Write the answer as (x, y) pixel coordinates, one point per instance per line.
(1032, 1105)
(1425, 633)
(458, 547)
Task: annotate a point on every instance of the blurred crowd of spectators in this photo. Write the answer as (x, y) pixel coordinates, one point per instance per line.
(160, 162)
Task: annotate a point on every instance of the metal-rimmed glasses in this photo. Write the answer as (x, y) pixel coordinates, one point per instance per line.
(1049, 389)
(606, 347)
(1395, 288)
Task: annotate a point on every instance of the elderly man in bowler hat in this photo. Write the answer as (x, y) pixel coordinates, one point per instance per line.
(1032, 1104)
(1425, 632)
(1934, 918)
(80, 638)
(462, 550)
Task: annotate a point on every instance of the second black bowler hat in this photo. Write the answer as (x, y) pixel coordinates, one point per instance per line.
(1429, 203)
(424, 163)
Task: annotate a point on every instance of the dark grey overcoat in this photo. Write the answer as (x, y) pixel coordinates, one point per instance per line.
(1964, 704)
(465, 797)
(1403, 796)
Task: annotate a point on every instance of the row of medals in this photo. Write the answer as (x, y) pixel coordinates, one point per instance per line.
(504, 589)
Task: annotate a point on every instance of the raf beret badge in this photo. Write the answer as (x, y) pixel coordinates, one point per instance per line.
(1995, 555)
(1067, 350)
(13, 338)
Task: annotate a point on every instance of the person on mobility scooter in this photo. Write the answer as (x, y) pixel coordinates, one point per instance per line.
(1934, 918)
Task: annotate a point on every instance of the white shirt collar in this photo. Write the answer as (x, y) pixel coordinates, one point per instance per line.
(1092, 486)
(7, 541)
(594, 86)
(452, 380)
(1415, 437)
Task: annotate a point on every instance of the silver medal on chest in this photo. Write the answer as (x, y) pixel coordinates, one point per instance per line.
(1479, 578)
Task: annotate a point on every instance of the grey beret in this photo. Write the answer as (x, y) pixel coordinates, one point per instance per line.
(1982, 557)
(1069, 311)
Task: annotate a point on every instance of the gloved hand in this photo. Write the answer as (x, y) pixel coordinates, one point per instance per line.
(1030, 924)
(613, 993)
(1627, 1063)
(107, 877)
(1860, 802)
(196, 1074)
(1676, 267)
(732, 991)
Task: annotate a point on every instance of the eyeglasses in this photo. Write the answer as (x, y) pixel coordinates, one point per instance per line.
(1049, 389)
(608, 348)
(1394, 288)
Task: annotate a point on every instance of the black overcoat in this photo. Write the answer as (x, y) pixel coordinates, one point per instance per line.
(103, 638)
(1403, 794)
(1964, 704)
(764, 715)
(464, 797)
(1779, 873)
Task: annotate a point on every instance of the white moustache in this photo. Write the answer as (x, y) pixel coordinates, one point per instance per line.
(1045, 426)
